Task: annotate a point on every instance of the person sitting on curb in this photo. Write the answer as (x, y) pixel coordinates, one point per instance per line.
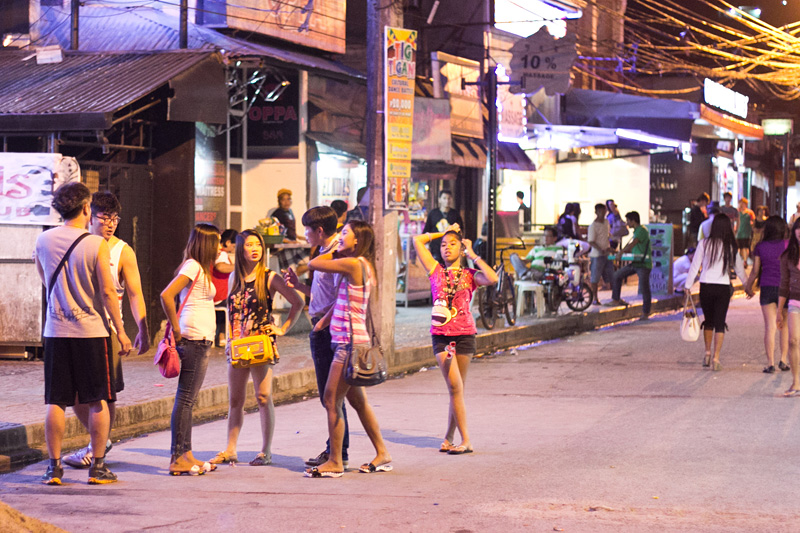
(639, 246)
(680, 268)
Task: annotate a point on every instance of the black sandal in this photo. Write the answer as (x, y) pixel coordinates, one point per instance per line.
(783, 366)
(769, 369)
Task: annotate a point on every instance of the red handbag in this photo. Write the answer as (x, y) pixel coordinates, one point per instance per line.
(167, 358)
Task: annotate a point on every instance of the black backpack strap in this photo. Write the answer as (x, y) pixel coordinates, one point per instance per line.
(63, 262)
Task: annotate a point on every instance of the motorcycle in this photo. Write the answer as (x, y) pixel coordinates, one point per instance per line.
(564, 282)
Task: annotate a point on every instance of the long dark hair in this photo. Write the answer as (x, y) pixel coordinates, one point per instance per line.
(260, 268)
(792, 252)
(203, 247)
(365, 242)
(721, 243)
(774, 229)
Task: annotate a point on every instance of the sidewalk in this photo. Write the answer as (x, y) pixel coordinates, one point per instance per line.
(146, 403)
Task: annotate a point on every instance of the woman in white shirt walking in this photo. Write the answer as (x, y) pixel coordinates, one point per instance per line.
(713, 259)
(194, 332)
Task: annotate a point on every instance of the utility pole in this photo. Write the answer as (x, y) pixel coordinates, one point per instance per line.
(73, 34)
(380, 13)
(784, 188)
(491, 141)
(183, 34)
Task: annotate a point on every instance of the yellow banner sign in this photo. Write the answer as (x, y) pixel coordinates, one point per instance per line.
(400, 62)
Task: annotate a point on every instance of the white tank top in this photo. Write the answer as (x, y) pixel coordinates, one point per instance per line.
(116, 254)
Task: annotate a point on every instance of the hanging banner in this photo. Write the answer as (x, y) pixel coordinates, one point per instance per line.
(27, 184)
(400, 65)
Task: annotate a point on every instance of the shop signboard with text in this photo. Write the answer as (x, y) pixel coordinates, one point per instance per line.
(661, 250)
(210, 191)
(273, 125)
(27, 184)
(400, 64)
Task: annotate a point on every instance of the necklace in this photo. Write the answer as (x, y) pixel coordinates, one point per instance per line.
(451, 286)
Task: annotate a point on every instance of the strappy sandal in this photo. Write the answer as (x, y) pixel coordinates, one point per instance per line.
(261, 460)
(459, 450)
(370, 468)
(446, 447)
(315, 472)
(223, 457)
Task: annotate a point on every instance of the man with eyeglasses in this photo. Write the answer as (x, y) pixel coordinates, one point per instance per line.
(105, 209)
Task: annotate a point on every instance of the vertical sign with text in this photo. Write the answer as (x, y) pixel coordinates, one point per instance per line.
(400, 63)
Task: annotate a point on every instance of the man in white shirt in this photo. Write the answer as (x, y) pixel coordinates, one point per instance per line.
(598, 238)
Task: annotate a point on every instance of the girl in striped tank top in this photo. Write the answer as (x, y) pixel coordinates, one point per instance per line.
(354, 257)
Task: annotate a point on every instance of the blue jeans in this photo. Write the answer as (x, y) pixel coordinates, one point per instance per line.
(194, 363)
(322, 355)
(644, 284)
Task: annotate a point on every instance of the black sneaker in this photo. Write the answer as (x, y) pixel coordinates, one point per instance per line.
(322, 459)
(318, 460)
(101, 476)
(53, 475)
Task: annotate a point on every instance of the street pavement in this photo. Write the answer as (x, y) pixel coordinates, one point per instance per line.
(620, 429)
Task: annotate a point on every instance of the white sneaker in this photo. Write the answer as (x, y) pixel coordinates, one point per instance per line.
(83, 458)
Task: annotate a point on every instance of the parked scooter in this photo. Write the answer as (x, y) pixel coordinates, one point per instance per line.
(565, 282)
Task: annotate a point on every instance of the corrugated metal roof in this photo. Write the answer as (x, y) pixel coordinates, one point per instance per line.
(145, 28)
(84, 82)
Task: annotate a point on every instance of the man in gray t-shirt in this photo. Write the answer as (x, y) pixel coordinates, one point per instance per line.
(76, 337)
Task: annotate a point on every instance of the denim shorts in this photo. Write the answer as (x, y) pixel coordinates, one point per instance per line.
(465, 344)
(768, 295)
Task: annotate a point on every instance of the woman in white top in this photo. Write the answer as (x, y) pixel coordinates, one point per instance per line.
(715, 255)
(194, 332)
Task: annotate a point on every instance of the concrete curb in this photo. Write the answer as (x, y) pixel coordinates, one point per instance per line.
(21, 445)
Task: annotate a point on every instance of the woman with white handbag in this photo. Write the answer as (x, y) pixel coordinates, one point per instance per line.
(713, 259)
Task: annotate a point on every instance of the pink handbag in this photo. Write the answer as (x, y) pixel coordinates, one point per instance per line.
(167, 358)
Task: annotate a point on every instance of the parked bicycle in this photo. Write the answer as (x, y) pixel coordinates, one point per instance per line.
(500, 298)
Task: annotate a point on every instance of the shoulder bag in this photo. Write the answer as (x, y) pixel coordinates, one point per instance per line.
(63, 262)
(167, 358)
(253, 350)
(690, 322)
(364, 366)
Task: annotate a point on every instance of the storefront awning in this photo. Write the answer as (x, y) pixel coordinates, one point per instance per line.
(661, 117)
(83, 91)
(468, 152)
(512, 157)
(715, 121)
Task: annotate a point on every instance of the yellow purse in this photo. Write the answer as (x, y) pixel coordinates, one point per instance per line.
(252, 351)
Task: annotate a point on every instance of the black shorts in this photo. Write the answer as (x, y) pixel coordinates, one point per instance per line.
(79, 367)
(115, 364)
(743, 242)
(465, 344)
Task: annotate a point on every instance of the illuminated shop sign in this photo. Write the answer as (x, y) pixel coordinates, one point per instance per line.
(777, 126)
(726, 99)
